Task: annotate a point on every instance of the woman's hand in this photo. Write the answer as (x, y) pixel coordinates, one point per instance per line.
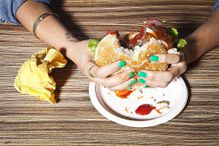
(163, 78)
(102, 75)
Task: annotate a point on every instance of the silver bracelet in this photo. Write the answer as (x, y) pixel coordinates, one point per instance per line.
(39, 19)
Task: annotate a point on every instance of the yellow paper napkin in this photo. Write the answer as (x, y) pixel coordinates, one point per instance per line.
(34, 77)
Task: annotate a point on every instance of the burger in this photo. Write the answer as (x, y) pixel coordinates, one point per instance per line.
(136, 50)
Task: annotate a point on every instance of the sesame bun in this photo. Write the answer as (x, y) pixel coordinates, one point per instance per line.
(107, 50)
(139, 57)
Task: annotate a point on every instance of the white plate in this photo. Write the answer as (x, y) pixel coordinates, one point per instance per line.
(113, 107)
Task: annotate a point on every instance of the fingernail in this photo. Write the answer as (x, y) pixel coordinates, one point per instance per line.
(132, 82)
(131, 74)
(142, 74)
(140, 80)
(121, 64)
(146, 86)
(154, 58)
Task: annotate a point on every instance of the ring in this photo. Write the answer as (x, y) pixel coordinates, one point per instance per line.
(89, 71)
(129, 87)
(182, 55)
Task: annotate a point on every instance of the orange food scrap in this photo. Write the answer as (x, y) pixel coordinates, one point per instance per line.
(123, 93)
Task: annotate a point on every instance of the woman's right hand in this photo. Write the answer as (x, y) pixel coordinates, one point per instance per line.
(103, 75)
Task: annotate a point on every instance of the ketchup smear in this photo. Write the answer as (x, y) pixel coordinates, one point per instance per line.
(112, 32)
(144, 109)
(139, 36)
(154, 24)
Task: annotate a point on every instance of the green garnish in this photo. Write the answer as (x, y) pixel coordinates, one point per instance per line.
(182, 43)
(92, 44)
(174, 32)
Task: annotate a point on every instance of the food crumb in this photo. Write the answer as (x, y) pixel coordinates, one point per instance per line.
(140, 97)
(126, 109)
(141, 91)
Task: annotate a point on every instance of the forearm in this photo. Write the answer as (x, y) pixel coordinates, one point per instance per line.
(203, 39)
(49, 30)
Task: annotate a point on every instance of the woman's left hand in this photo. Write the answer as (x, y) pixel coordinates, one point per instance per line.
(163, 78)
(103, 75)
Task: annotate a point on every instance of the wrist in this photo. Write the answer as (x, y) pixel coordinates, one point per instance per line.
(70, 50)
(78, 53)
(191, 51)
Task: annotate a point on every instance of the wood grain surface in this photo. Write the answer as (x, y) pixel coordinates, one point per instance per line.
(73, 121)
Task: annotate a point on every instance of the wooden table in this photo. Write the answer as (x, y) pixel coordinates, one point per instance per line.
(24, 120)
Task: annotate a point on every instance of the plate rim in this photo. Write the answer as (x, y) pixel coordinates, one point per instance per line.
(132, 123)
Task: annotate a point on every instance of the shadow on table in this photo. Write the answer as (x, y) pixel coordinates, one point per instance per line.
(190, 67)
(69, 21)
(185, 31)
(62, 75)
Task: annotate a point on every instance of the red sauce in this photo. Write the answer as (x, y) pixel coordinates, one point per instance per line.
(154, 22)
(144, 109)
(123, 93)
(157, 27)
(139, 36)
(112, 32)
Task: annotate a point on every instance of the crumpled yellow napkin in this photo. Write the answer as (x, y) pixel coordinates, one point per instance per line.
(33, 76)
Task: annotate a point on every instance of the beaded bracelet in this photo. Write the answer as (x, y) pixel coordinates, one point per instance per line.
(39, 19)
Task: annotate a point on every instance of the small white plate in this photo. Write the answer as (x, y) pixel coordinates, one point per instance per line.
(122, 111)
